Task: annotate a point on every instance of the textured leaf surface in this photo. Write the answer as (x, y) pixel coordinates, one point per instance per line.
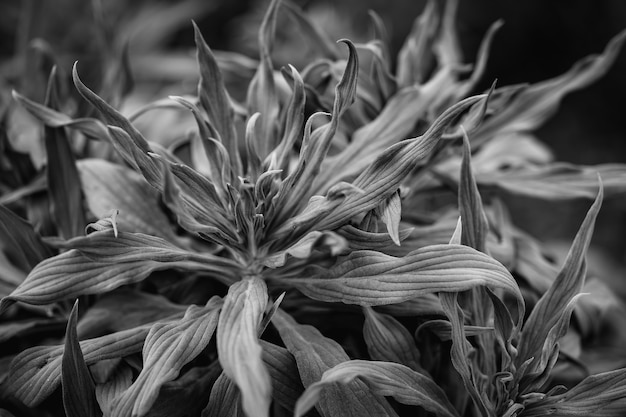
(225, 399)
(314, 354)
(386, 379)
(79, 395)
(238, 346)
(101, 262)
(168, 347)
(370, 278)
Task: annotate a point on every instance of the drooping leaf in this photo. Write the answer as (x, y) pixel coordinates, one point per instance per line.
(551, 307)
(168, 347)
(79, 395)
(238, 346)
(388, 340)
(314, 354)
(361, 239)
(20, 242)
(370, 278)
(386, 379)
(330, 242)
(536, 103)
(100, 262)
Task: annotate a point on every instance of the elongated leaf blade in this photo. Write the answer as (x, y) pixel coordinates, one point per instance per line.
(283, 370)
(79, 395)
(314, 354)
(567, 285)
(225, 399)
(101, 262)
(238, 344)
(384, 378)
(371, 278)
(168, 347)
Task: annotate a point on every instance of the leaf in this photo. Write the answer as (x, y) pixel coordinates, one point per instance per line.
(79, 395)
(225, 399)
(298, 184)
(115, 385)
(92, 128)
(391, 214)
(329, 242)
(384, 176)
(314, 354)
(283, 370)
(552, 306)
(109, 186)
(214, 99)
(238, 345)
(16, 328)
(100, 262)
(385, 379)
(388, 340)
(536, 103)
(36, 372)
(557, 181)
(168, 347)
(475, 224)
(314, 37)
(20, 242)
(186, 395)
(369, 278)
(361, 239)
(602, 395)
(123, 309)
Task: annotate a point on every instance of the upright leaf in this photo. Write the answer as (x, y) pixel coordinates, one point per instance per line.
(79, 393)
(168, 347)
(568, 284)
(238, 344)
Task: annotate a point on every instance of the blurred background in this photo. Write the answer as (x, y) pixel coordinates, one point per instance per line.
(539, 40)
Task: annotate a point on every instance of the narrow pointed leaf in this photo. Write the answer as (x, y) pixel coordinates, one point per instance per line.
(22, 245)
(214, 99)
(386, 173)
(386, 379)
(566, 286)
(475, 224)
(314, 354)
(238, 344)
(370, 278)
(168, 347)
(79, 395)
(391, 215)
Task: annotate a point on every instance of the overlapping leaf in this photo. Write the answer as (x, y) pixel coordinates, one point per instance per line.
(371, 278)
(101, 262)
(314, 354)
(386, 379)
(168, 347)
(238, 344)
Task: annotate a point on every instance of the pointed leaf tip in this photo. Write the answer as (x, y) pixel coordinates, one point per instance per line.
(78, 389)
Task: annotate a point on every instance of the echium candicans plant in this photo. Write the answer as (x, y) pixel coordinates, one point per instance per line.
(310, 202)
